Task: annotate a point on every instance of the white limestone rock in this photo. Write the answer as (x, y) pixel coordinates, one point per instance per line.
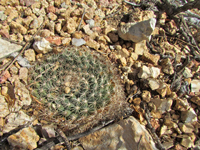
(41, 45)
(78, 42)
(6, 48)
(137, 32)
(13, 120)
(195, 85)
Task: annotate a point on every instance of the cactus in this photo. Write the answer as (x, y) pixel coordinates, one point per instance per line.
(78, 85)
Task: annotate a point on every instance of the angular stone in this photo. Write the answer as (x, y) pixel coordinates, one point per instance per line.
(87, 30)
(146, 96)
(30, 55)
(92, 43)
(48, 131)
(54, 40)
(195, 85)
(26, 138)
(23, 74)
(13, 120)
(187, 142)
(167, 66)
(155, 72)
(66, 41)
(186, 127)
(7, 48)
(90, 22)
(113, 37)
(78, 42)
(134, 56)
(140, 47)
(36, 23)
(188, 116)
(41, 45)
(137, 32)
(144, 72)
(70, 27)
(153, 83)
(127, 134)
(5, 76)
(2, 16)
(3, 107)
(17, 27)
(52, 16)
(151, 58)
(162, 105)
(187, 73)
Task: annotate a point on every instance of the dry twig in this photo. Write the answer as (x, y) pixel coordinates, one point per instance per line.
(79, 26)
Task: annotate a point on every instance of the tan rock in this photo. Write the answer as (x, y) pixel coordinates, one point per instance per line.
(24, 139)
(123, 61)
(92, 43)
(67, 90)
(66, 41)
(134, 56)
(13, 14)
(58, 27)
(77, 35)
(26, 21)
(16, 27)
(23, 74)
(4, 90)
(187, 142)
(87, 30)
(13, 70)
(13, 120)
(70, 26)
(89, 14)
(4, 111)
(151, 58)
(188, 116)
(140, 47)
(186, 127)
(28, 11)
(146, 96)
(107, 29)
(52, 16)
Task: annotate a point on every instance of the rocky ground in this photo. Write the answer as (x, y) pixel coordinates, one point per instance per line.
(157, 56)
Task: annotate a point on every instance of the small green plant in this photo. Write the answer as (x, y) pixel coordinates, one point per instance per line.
(78, 85)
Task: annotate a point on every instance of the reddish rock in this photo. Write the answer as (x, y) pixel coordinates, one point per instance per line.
(27, 2)
(4, 77)
(4, 33)
(51, 9)
(54, 40)
(97, 29)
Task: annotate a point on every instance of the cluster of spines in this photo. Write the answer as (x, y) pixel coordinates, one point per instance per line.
(90, 82)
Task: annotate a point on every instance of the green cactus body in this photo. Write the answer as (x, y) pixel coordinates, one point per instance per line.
(81, 87)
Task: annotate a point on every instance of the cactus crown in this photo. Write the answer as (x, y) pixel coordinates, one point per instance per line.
(76, 85)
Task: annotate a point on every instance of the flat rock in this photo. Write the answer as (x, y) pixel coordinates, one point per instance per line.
(24, 139)
(7, 48)
(137, 32)
(188, 116)
(13, 120)
(128, 134)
